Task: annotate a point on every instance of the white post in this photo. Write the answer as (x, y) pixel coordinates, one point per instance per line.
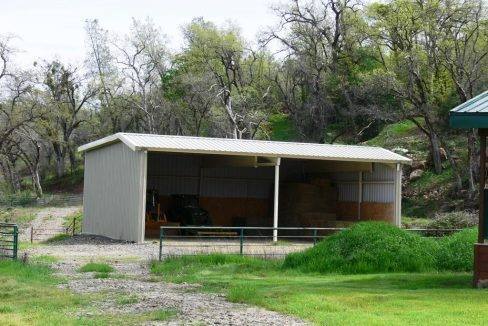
(398, 195)
(276, 198)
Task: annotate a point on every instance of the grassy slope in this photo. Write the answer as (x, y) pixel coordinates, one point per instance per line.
(379, 299)
(432, 192)
(29, 295)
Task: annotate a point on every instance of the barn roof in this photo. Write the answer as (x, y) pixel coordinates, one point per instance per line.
(241, 147)
(471, 114)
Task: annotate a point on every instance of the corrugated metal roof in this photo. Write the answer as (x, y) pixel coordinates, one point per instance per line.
(476, 105)
(225, 146)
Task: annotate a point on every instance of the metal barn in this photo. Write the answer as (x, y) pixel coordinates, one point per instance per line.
(135, 183)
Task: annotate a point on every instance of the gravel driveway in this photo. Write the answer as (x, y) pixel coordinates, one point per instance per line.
(131, 261)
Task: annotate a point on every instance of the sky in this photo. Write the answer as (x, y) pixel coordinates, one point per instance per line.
(48, 29)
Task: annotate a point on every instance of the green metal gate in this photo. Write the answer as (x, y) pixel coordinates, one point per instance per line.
(9, 240)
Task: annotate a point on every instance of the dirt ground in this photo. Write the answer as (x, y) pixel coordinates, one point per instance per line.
(131, 262)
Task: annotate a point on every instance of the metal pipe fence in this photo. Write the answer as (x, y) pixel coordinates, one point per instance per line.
(250, 241)
(9, 240)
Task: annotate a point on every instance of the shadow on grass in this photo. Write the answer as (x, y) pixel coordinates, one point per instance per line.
(406, 281)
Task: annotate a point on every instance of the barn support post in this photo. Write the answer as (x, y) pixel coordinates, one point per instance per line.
(398, 195)
(142, 202)
(482, 186)
(276, 199)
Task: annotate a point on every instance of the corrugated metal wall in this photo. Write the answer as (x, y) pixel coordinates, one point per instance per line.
(181, 174)
(378, 186)
(114, 192)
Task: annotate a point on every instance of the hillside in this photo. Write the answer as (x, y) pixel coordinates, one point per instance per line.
(424, 192)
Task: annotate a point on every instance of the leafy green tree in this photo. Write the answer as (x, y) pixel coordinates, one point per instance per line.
(238, 75)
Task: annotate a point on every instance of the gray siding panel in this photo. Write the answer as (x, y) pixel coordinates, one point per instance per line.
(378, 186)
(114, 193)
(347, 192)
(379, 193)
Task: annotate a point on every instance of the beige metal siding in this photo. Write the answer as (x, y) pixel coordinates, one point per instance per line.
(114, 193)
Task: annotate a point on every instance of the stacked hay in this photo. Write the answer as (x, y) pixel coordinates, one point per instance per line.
(308, 204)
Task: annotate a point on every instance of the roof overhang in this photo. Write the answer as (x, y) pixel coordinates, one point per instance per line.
(468, 120)
(472, 114)
(209, 150)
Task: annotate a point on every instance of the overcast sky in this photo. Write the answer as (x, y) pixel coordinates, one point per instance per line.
(48, 28)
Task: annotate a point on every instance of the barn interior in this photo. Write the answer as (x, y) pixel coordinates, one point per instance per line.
(219, 190)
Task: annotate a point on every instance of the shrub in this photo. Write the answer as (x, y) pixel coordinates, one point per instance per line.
(454, 220)
(368, 247)
(455, 252)
(21, 198)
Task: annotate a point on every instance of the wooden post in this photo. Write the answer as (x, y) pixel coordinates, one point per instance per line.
(481, 223)
(32, 234)
(360, 193)
(276, 199)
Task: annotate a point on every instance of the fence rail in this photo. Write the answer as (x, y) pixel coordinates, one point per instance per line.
(247, 240)
(59, 200)
(9, 240)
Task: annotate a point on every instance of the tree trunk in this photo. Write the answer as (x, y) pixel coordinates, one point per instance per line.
(72, 158)
(436, 152)
(232, 118)
(59, 159)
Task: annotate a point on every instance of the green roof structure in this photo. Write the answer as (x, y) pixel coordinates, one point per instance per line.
(471, 114)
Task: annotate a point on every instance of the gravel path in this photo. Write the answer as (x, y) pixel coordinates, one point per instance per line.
(132, 278)
(47, 223)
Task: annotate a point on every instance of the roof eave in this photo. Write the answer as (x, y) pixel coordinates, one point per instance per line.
(403, 160)
(468, 121)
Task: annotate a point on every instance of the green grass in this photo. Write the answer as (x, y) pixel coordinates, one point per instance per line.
(404, 134)
(29, 295)
(372, 299)
(96, 267)
(282, 128)
(455, 253)
(57, 238)
(368, 247)
(127, 299)
(162, 315)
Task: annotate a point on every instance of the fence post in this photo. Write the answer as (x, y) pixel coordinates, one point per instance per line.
(32, 234)
(241, 241)
(74, 225)
(16, 242)
(314, 237)
(161, 234)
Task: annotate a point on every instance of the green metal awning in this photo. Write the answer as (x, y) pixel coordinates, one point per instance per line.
(471, 114)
